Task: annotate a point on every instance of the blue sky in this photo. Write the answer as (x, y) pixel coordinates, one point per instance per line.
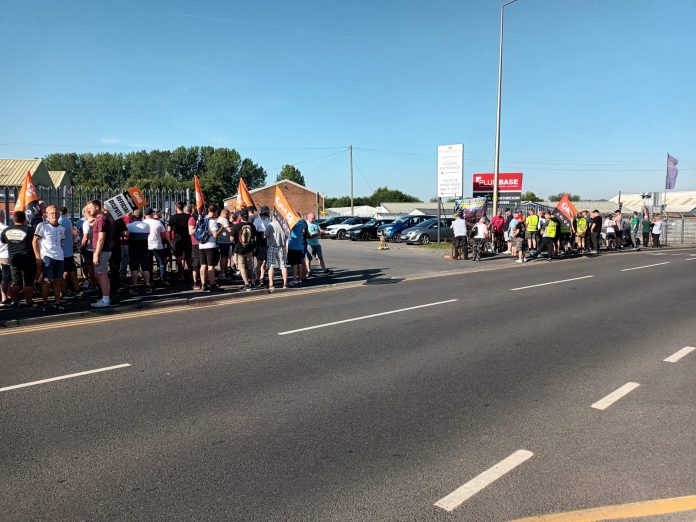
(595, 92)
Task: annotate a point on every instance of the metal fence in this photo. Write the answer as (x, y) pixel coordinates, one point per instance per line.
(75, 198)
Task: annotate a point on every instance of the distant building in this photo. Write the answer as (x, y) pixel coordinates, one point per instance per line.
(60, 179)
(13, 171)
(302, 199)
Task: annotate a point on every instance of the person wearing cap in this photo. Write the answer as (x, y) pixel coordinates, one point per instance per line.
(261, 222)
(155, 242)
(459, 231)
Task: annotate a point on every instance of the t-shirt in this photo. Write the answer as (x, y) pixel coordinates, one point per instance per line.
(261, 225)
(459, 227)
(296, 241)
(192, 223)
(87, 231)
(138, 234)
(610, 224)
(481, 231)
(244, 234)
(179, 225)
(517, 229)
(497, 223)
(635, 222)
(18, 239)
(102, 224)
(597, 222)
(51, 240)
(154, 240)
(657, 228)
(68, 244)
(213, 226)
(4, 254)
(646, 226)
(275, 235)
(513, 223)
(224, 236)
(314, 231)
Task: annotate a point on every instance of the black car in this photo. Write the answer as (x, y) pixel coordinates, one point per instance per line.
(368, 230)
(335, 220)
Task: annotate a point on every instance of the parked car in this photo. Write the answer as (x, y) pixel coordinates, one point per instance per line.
(339, 231)
(426, 231)
(368, 230)
(335, 220)
(392, 231)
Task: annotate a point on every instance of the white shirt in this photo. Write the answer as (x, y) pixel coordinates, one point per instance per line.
(481, 230)
(657, 228)
(213, 226)
(51, 240)
(154, 240)
(459, 227)
(4, 254)
(87, 231)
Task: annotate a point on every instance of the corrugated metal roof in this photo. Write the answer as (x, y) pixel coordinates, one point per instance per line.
(404, 208)
(59, 178)
(677, 201)
(12, 172)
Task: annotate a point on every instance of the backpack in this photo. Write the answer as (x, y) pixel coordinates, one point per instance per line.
(246, 239)
(202, 232)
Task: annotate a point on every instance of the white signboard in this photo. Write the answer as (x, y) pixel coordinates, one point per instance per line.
(450, 170)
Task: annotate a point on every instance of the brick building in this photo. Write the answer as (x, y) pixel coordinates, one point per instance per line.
(301, 198)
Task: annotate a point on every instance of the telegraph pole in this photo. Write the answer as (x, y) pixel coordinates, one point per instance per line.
(352, 208)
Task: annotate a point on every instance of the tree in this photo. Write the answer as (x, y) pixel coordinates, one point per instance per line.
(254, 175)
(557, 197)
(385, 194)
(291, 173)
(530, 196)
(221, 177)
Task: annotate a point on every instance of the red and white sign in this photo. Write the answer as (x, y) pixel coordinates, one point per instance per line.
(507, 182)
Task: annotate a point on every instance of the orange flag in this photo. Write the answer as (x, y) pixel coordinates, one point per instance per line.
(27, 200)
(200, 203)
(566, 207)
(243, 196)
(284, 212)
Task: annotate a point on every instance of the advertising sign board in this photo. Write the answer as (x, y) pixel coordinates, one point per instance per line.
(450, 170)
(509, 187)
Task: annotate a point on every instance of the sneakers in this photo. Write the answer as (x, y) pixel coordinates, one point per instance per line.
(101, 303)
(148, 289)
(270, 289)
(519, 261)
(197, 286)
(295, 284)
(328, 271)
(246, 288)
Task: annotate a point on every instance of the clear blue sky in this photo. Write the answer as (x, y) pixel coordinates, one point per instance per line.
(595, 93)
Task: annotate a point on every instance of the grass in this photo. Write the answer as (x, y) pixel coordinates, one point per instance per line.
(438, 246)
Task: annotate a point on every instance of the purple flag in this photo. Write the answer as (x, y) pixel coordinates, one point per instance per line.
(672, 172)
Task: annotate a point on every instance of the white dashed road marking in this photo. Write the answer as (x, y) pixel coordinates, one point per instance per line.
(681, 353)
(550, 283)
(62, 377)
(367, 317)
(614, 396)
(645, 266)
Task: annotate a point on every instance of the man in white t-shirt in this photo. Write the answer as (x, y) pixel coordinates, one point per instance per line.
(224, 240)
(155, 242)
(209, 252)
(49, 237)
(4, 266)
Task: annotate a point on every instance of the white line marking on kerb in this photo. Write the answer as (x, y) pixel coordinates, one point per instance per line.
(551, 283)
(70, 376)
(690, 259)
(614, 396)
(468, 490)
(367, 317)
(681, 353)
(644, 266)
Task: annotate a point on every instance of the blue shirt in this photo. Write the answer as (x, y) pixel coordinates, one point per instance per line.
(314, 230)
(68, 245)
(295, 242)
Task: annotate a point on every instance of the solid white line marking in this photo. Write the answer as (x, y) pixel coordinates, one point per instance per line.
(691, 259)
(367, 317)
(614, 396)
(468, 490)
(645, 266)
(681, 353)
(551, 283)
(34, 383)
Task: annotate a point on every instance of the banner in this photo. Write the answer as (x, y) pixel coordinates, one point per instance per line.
(450, 170)
(200, 202)
(123, 204)
(27, 200)
(283, 211)
(509, 187)
(473, 209)
(672, 173)
(243, 196)
(565, 210)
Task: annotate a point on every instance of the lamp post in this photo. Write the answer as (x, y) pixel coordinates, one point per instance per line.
(496, 166)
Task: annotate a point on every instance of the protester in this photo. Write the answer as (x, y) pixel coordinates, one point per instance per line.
(517, 231)
(262, 221)
(140, 257)
(101, 246)
(224, 241)
(656, 232)
(646, 227)
(69, 267)
(4, 266)
(86, 252)
(459, 232)
(18, 238)
(296, 253)
(634, 228)
(195, 248)
(507, 231)
(581, 230)
(550, 227)
(531, 226)
(156, 241)
(610, 231)
(497, 225)
(480, 236)
(313, 246)
(47, 243)
(595, 230)
(178, 228)
(244, 237)
(276, 255)
(514, 221)
(209, 252)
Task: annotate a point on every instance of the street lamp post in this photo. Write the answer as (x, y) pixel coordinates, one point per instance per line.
(496, 166)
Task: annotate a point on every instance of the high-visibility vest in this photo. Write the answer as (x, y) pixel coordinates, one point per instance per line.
(582, 225)
(532, 222)
(551, 228)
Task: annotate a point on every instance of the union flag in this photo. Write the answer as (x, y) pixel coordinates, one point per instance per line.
(243, 196)
(27, 200)
(200, 203)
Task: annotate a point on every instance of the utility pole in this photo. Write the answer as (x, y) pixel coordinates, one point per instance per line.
(352, 208)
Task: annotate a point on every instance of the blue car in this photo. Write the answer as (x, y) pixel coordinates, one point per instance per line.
(392, 231)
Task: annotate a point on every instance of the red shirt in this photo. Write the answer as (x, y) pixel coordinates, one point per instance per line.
(497, 222)
(192, 223)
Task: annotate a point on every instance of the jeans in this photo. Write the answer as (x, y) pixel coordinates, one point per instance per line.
(461, 242)
(123, 268)
(594, 239)
(159, 257)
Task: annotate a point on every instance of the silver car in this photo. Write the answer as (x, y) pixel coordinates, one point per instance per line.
(427, 231)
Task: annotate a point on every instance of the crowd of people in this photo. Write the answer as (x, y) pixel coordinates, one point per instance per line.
(527, 237)
(99, 256)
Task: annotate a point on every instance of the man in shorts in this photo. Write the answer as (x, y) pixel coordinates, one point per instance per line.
(195, 250)
(275, 239)
(313, 246)
(69, 267)
(517, 237)
(244, 237)
(261, 222)
(101, 246)
(209, 252)
(18, 238)
(531, 226)
(224, 241)
(296, 253)
(139, 256)
(4, 266)
(49, 237)
(178, 226)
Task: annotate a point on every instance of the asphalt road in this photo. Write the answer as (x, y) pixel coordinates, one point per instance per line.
(220, 417)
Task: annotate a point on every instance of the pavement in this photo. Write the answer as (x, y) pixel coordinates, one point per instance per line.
(437, 395)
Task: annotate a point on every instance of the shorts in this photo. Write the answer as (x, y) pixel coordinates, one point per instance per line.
(244, 260)
(261, 253)
(295, 257)
(209, 256)
(195, 257)
(182, 248)
(69, 264)
(23, 271)
(139, 259)
(519, 243)
(276, 257)
(103, 266)
(52, 269)
(225, 249)
(579, 237)
(506, 235)
(529, 234)
(314, 251)
(565, 236)
(6, 272)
